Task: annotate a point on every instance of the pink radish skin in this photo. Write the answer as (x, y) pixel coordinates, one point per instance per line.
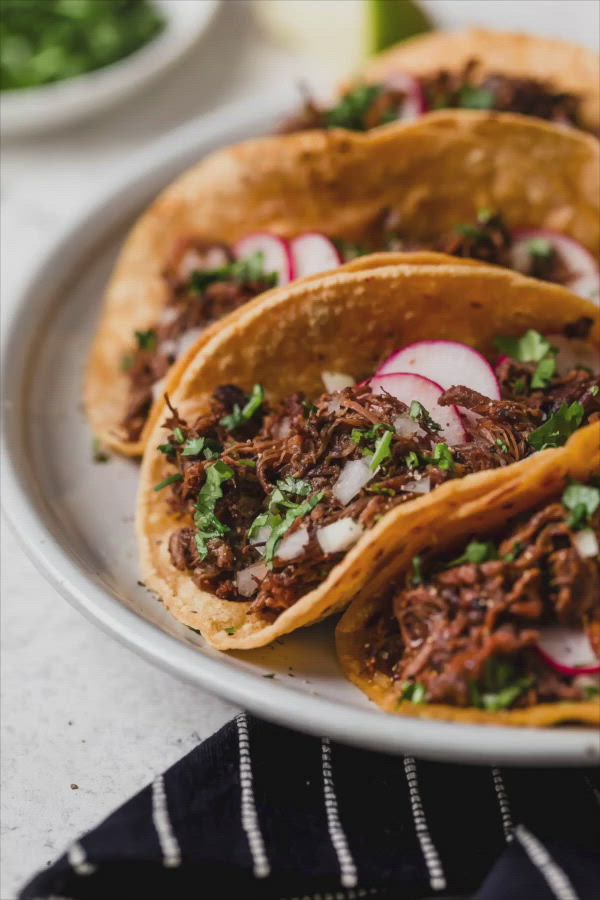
(275, 250)
(568, 651)
(406, 387)
(586, 275)
(312, 253)
(447, 363)
(415, 101)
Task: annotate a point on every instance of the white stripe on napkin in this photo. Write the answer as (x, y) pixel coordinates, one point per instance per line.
(348, 875)
(437, 879)
(250, 822)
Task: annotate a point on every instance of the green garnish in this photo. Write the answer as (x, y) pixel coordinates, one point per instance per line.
(179, 435)
(419, 414)
(540, 247)
(231, 630)
(476, 552)
(247, 463)
(532, 347)
(413, 692)
(502, 444)
(417, 571)
(591, 691)
(239, 416)
(382, 450)
(500, 686)
(166, 448)
(443, 457)
(308, 408)
(146, 340)
(558, 428)
(51, 40)
(353, 107)
(413, 460)
(544, 373)
(201, 445)
(519, 387)
(283, 511)
(594, 390)
(99, 454)
(127, 362)
(349, 251)
(470, 97)
(513, 554)
(244, 271)
(207, 524)
(172, 479)
(582, 500)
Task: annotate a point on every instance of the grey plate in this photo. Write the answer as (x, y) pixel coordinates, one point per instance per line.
(75, 518)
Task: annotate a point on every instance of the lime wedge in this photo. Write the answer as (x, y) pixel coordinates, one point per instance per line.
(340, 33)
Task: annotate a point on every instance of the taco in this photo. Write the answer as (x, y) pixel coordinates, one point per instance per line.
(516, 193)
(495, 616)
(284, 473)
(481, 70)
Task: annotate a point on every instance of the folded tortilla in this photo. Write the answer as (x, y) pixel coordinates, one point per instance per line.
(569, 68)
(431, 174)
(448, 523)
(284, 342)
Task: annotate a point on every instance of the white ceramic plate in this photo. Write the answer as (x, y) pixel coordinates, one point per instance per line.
(48, 107)
(75, 518)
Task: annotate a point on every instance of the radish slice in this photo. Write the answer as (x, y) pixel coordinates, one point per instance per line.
(415, 101)
(585, 277)
(407, 387)
(573, 352)
(275, 251)
(568, 651)
(447, 363)
(313, 253)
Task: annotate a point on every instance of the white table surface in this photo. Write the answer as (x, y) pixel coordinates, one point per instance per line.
(85, 723)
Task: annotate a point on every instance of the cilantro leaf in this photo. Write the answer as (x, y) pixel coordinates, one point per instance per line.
(201, 445)
(350, 112)
(413, 460)
(414, 692)
(582, 500)
(558, 428)
(239, 416)
(382, 450)
(283, 511)
(502, 444)
(146, 340)
(417, 571)
(245, 271)
(279, 528)
(207, 524)
(443, 457)
(475, 552)
(540, 248)
(470, 97)
(500, 686)
(544, 373)
(419, 414)
(531, 347)
(172, 479)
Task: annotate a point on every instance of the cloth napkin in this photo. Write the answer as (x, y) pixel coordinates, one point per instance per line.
(258, 812)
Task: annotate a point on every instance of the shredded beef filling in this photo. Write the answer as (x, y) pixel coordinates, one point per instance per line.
(302, 449)
(463, 624)
(190, 308)
(370, 106)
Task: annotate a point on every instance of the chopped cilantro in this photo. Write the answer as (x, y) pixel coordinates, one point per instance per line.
(419, 414)
(519, 387)
(244, 271)
(513, 554)
(558, 428)
(381, 489)
(231, 630)
(540, 248)
(532, 347)
(350, 112)
(500, 686)
(382, 450)
(476, 552)
(417, 571)
(502, 444)
(544, 373)
(443, 457)
(207, 524)
(591, 691)
(470, 231)
(247, 463)
(179, 435)
(239, 416)
(283, 511)
(413, 692)
(349, 251)
(594, 390)
(127, 362)
(99, 454)
(172, 479)
(582, 500)
(201, 445)
(166, 448)
(470, 97)
(413, 460)
(146, 340)
(485, 216)
(309, 408)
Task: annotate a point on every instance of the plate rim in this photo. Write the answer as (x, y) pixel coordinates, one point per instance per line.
(23, 504)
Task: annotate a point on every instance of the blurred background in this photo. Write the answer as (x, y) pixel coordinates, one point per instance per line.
(63, 145)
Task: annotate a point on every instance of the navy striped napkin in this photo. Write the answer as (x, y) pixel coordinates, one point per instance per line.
(258, 812)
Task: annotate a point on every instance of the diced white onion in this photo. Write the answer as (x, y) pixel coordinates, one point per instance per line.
(586, 543)
(293, 544)
(336, 381)
(283, 429)
(247, 580)
(423, 486)
(353, 477)
(404, 426)
(158, 389)
(168, 315)
(339, 535)
(168, 348)
(333, 406)
(260, 538)
(187, 340)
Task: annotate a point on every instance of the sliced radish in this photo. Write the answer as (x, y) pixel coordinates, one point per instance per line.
(585, 276)
(275, 251)
(447, 363)
(415, 101)
(313, 253)
(406, 387)
(573, 352)
(568, 651)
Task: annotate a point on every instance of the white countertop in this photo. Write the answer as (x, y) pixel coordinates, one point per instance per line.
(85, 723)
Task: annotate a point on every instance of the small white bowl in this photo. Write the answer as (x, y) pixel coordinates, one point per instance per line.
(33, 110)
